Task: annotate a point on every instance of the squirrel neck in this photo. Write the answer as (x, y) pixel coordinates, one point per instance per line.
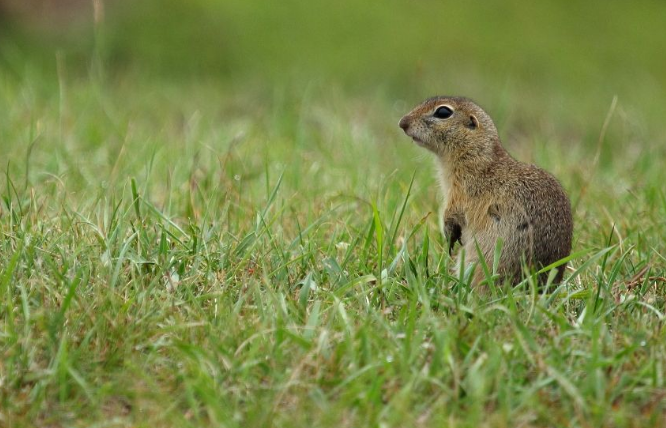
(465, 168)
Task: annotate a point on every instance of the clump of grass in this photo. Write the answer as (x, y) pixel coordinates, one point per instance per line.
(178, 269)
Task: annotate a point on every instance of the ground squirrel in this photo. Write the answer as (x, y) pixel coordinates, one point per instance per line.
(488, 194)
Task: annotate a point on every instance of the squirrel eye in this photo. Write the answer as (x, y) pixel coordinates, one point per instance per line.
(443, 112)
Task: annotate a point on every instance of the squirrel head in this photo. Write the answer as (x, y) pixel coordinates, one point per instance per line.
(451, 127)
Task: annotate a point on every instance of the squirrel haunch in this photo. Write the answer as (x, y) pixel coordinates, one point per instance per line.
(490, 196)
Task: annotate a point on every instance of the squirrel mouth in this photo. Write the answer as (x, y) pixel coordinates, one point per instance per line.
(415, 138)
(418, 141)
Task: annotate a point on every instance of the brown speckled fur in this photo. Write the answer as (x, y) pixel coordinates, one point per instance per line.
(489, 195)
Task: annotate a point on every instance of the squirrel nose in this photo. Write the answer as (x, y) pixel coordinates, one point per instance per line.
(404, 123)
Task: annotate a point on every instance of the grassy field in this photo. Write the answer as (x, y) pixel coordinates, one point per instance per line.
(211, 218)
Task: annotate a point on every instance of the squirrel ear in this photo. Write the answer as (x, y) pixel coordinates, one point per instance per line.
(472, 122)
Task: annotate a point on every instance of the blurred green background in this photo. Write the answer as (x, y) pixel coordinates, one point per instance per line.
(589, 50)
(546, 71)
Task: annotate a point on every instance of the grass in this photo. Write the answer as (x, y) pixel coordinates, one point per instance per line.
(210, 252)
